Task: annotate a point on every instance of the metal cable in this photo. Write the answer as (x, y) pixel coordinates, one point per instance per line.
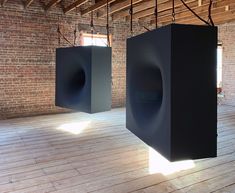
(58, 30)
(173, 11)
(131, 21)
(185, 4)
(209, 13)
(92, 28)
(107, 25)
(147, 29)
(156, 14)
(75, 35)
(62, 35)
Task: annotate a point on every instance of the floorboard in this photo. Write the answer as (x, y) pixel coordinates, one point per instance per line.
(85, 153)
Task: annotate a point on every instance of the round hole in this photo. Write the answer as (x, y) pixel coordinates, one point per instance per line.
(77, 82)
(146, 92)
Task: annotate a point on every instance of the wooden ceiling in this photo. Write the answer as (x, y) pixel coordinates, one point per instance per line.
(143, 10)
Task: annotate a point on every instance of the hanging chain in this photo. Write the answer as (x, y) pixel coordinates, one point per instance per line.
(61, 35)
(75, 35)
(173, 11)
(156, 14)
(58, 31)
(131, 14)
(92, 28)
(107, 25)
(195, 14)
(210, 20)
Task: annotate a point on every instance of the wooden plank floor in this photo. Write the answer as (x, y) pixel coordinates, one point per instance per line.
(81, 153)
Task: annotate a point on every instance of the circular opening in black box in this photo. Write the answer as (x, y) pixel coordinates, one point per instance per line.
(77, 82)
(146, 93)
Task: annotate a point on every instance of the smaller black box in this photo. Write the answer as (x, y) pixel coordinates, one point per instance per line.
(83, 78)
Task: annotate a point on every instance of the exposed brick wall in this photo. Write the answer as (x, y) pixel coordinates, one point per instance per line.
(28, 39)
(227, 37)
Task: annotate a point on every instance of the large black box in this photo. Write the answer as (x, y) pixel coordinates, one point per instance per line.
(83, 78)
(171, 90)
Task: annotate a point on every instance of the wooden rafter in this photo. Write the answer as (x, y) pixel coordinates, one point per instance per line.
(219, 16)
(136, 8)
(148, 8)
(51, 4)
(74, 5)
(218, 12)
(96, 6)
(28, 3)
(222, 10)
(119, 6)
(179, 7)
(199, 2)
(163, 7)
(148, 5)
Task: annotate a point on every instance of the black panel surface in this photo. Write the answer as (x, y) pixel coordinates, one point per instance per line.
(83, 78)
(171, 90)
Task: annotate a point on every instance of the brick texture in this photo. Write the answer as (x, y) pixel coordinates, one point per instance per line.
(227, 37)
(28, 40)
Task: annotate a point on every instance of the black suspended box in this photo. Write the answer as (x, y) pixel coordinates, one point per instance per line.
(171, 90)
(83, 78)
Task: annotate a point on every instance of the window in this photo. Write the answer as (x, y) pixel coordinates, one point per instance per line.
(219, 66)
(95, 39)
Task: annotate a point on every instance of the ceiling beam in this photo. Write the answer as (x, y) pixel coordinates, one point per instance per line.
(199, 2)
(186, 17)
(191, 4)
(163, 7)
(28, 3)
(136, 8)
(219, 17)
(51, 4)
(119, 6)
(96, 6)
(74, 5)
(146, 4)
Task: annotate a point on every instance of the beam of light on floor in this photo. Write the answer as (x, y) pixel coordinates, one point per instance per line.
(75, 127)
(159, 164)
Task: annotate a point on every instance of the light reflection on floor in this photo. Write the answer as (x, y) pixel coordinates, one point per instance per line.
(75, 127)
(159, 164)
